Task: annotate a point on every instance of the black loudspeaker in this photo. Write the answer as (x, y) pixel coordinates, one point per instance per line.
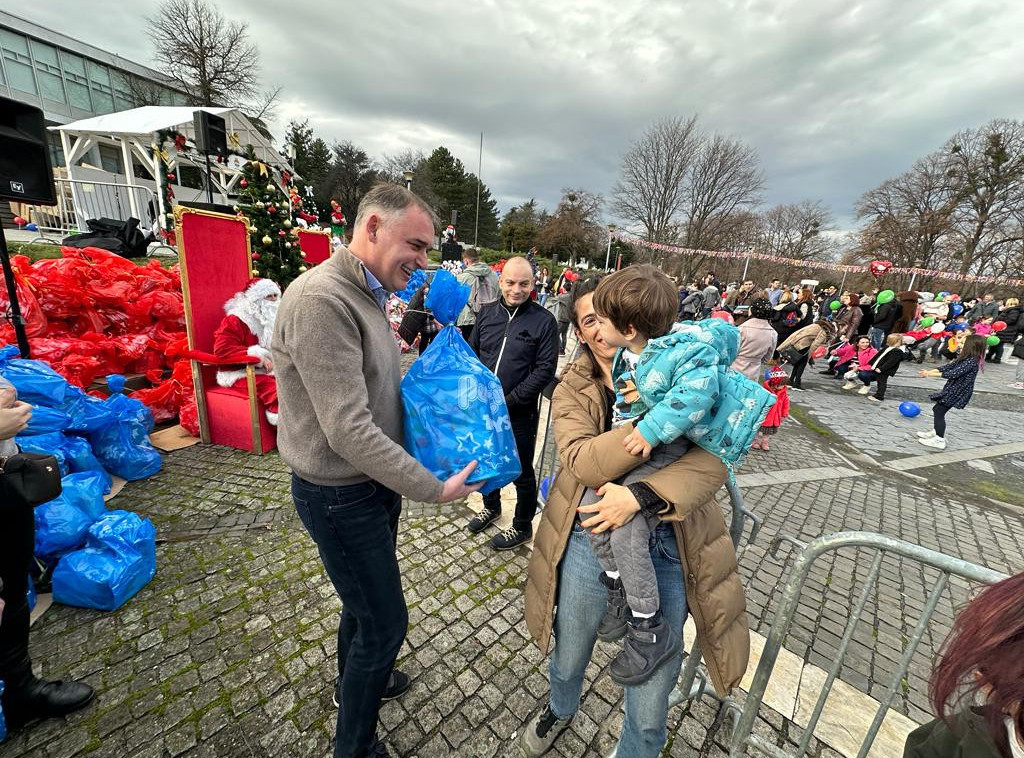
(211, 134)
(25, 172)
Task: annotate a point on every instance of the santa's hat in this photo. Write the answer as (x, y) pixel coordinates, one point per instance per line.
(258, 288)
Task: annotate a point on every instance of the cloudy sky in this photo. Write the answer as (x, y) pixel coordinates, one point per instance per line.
(836, 96)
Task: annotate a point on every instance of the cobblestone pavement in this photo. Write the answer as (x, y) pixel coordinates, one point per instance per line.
(230, 651)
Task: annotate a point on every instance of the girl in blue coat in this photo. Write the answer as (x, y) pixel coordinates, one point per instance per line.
(960, 376)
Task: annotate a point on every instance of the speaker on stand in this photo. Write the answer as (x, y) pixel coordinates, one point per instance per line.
(26, 176)
(211, 139)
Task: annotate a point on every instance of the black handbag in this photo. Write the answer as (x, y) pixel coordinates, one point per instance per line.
(792, 354)
(31, 478)
(1018, 349)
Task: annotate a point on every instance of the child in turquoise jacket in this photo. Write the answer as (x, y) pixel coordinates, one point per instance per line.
(673, 383)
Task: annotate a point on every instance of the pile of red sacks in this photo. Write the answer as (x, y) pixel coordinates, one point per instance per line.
(93, 313)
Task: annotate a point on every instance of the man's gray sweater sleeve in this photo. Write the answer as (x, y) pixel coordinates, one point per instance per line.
(330, 368)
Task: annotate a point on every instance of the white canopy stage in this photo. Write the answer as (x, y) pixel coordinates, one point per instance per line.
(133, 134)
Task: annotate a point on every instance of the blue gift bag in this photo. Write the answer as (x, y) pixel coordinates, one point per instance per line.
(118, 560)
(35, 381)
(62, 523)
(454, 406)
(123, 445)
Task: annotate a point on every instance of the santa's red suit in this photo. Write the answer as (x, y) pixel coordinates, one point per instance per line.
(247, 330)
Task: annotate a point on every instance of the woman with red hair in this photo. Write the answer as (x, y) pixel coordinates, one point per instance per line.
(982, 660)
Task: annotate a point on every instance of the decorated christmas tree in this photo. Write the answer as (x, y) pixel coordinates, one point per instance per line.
(275, 244)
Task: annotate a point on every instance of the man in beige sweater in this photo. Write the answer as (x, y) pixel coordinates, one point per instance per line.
(340, 431)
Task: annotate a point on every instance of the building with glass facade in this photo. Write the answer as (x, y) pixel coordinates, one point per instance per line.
(71, 80)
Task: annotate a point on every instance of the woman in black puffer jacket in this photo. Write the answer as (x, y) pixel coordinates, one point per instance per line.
(1014, 318)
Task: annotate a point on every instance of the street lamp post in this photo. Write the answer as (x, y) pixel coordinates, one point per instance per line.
(408, 175)
(608, 255)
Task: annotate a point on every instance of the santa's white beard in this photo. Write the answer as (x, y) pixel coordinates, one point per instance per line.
(266, 312)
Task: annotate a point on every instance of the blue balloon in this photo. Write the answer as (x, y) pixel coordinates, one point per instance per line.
(33, 227)
(909, 409)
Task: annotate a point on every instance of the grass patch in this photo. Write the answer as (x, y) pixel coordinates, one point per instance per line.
(997, 491)
(808, 421)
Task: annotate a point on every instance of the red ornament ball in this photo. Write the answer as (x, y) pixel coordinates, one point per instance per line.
(243, 184)
(281, 233)
(255, 256)
(170, 177)
(271, 209)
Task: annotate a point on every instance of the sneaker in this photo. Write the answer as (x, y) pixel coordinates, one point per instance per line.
(920, 359)
(613, 624)
(511, 538)
(541, 732)
(864, 390)
(398, 684)
(874, 399)
(649, 644)
(764, 444)
(926, 434)
(939, 443)
(849, 385)
(482, 520)
(378, 750)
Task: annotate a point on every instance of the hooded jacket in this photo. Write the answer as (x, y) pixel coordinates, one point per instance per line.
(473, 275)
(520, 345)
(714, 591)
(686, 388)
(887, 315)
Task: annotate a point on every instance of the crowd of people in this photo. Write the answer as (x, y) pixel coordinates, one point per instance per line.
(660, 402)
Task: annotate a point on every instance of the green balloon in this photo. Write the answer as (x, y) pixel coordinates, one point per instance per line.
(992, 340)
(927, 321)
(835, 305)
(885, 296)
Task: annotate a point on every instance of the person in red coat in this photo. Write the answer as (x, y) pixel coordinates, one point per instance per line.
(776, 384)
(246, 331)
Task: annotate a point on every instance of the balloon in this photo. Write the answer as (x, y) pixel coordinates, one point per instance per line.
(956, 309)
(835, 305)
(939, 297)
(909, 409)
(885, 296)
(992, 340)
(19, 221)
(878, 268)
(927, 321)
(999, 325)
(819, 352)
(724, 315)
(937, 328)
(32, 227)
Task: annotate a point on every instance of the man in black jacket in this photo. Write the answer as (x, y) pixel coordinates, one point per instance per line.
(517, 340)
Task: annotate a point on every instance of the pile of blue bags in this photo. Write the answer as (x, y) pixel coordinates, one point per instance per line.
(101, 557)
(454, 406)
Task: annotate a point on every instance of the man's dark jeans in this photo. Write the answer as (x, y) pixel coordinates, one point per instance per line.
(525, 432)
(355, 529)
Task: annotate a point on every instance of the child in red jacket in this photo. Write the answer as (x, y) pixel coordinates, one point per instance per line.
(776, 384)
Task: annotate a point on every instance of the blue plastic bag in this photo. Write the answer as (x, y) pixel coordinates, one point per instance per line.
(118, 561)
(35, 381)
(45, 421)
(62, 523)
(30, 594)
(415, 282)
(123, 445)
(85, 412)
(455, 408)
(73, 454)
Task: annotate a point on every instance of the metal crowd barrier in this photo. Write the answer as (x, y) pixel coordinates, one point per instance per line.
(79, 200)
(745, 715)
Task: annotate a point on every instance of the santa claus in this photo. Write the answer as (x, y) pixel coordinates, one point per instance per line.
(246, 331)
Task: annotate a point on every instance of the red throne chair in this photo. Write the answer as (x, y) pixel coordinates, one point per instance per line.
(316, 244)
(214, 254)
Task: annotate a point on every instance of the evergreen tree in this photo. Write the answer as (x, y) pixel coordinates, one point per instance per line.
(455, 190)
(275, 245)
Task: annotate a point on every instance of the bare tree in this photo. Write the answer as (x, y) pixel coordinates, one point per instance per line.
(210, 57)
(651, 190)
(574, 231)
(726, 178)
(796, 230)
(910, 216)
